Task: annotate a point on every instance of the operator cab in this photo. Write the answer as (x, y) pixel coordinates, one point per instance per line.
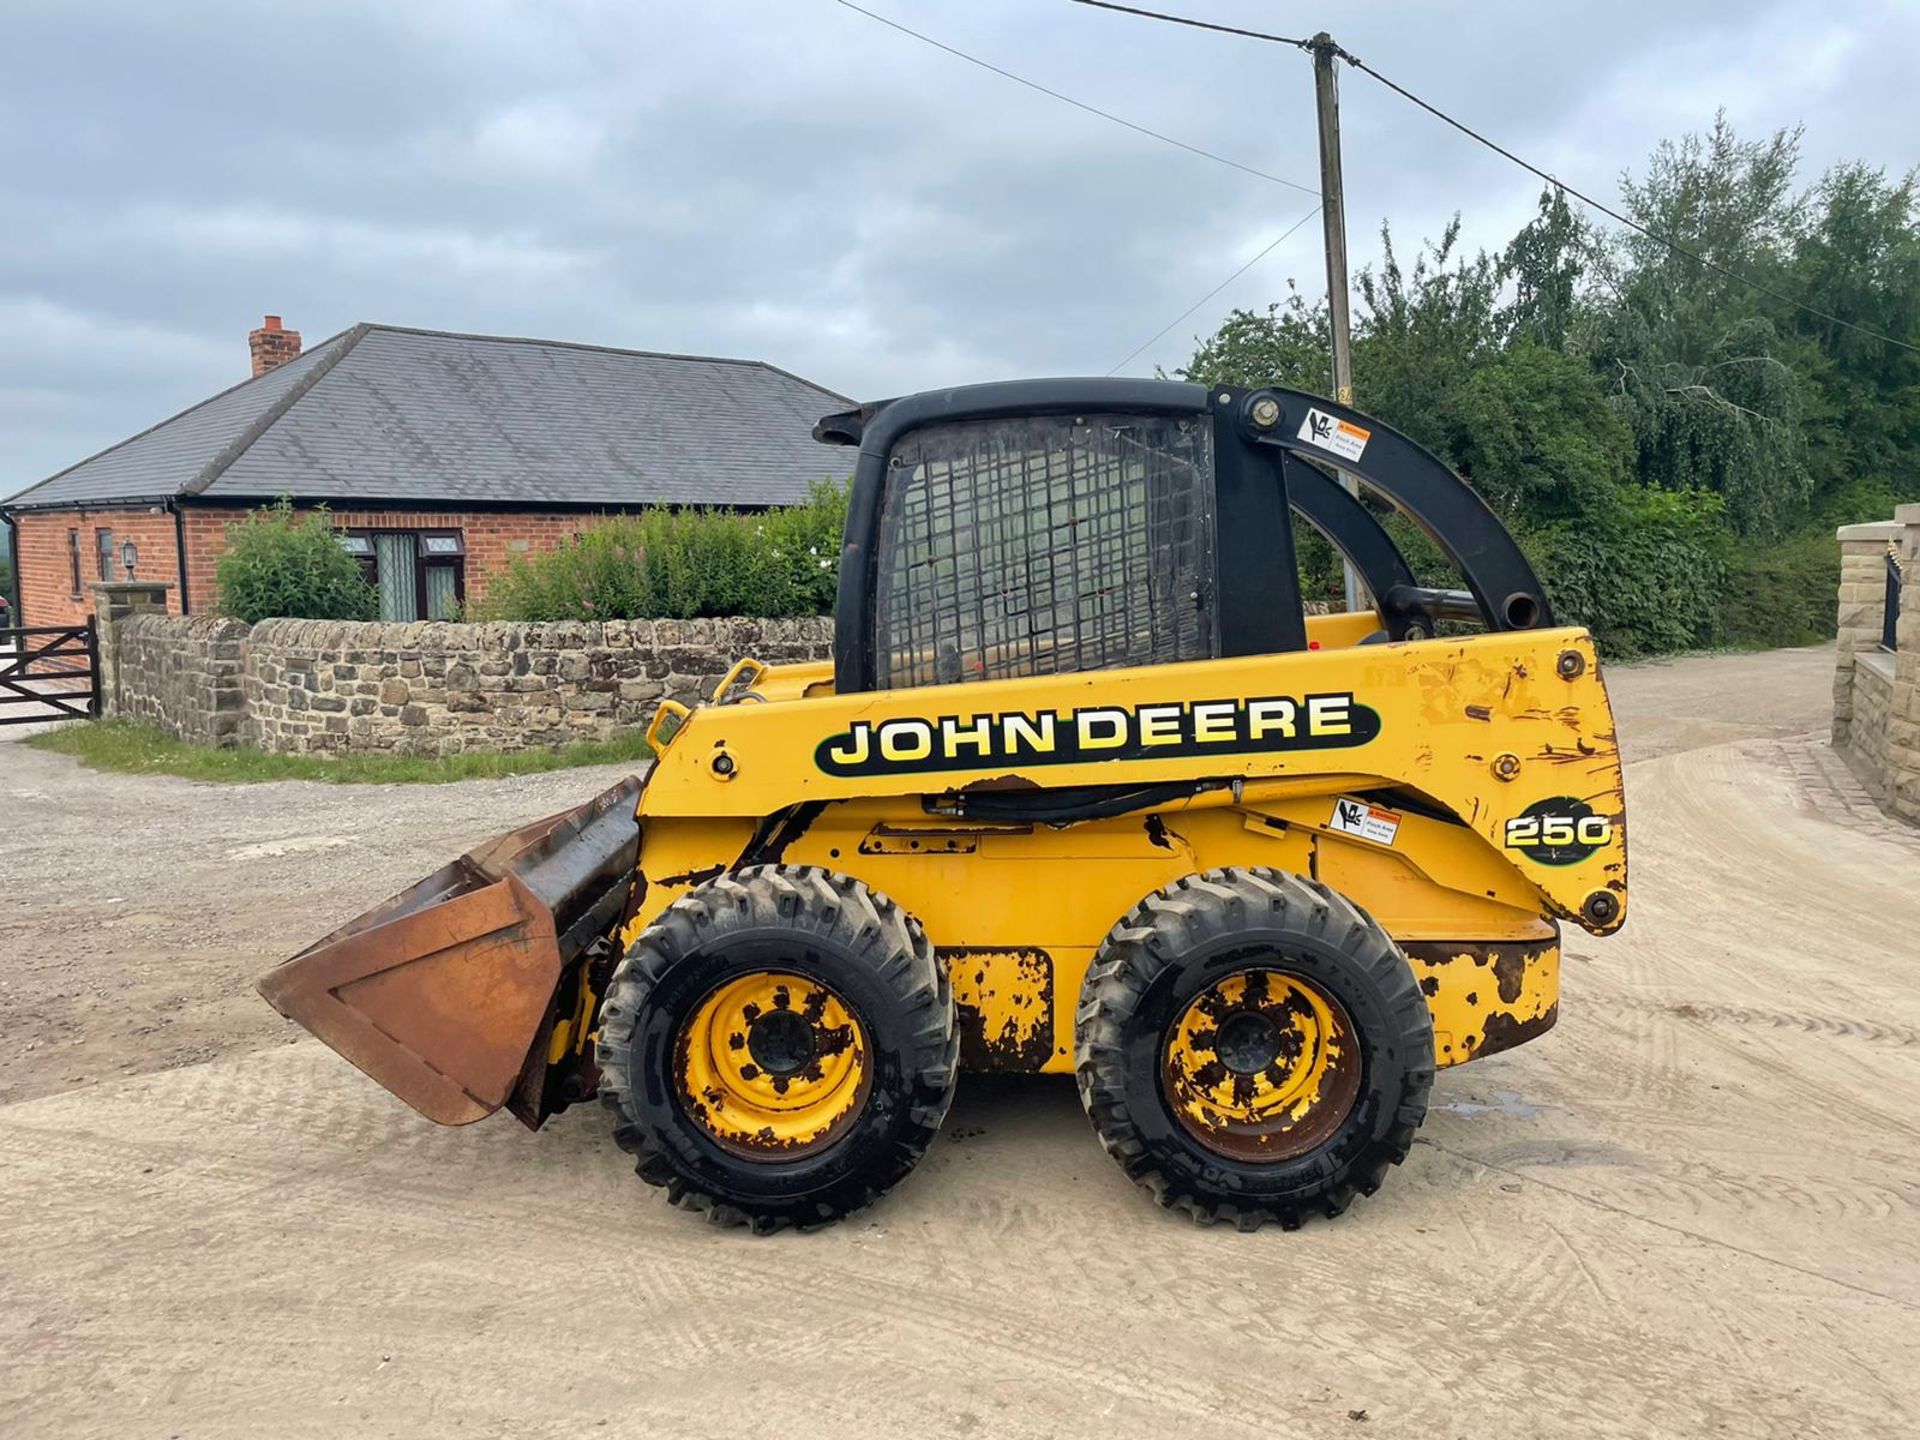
(1054, 526)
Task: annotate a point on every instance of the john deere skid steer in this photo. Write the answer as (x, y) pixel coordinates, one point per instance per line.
(1083, 791)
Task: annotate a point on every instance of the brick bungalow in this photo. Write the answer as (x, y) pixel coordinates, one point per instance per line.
(438, 456)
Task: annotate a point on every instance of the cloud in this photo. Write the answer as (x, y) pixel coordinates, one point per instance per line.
(51, 347)
(791, 181)
(270, 236)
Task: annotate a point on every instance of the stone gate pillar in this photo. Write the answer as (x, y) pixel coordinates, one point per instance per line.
(113, 602)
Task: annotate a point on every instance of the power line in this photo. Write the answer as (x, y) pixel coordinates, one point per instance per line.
(1668, 241)
(1196, 24)
(1079, 104)
(1272, 245)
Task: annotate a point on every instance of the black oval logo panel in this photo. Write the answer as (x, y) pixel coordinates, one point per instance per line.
(1563, 830)
(1179, 729)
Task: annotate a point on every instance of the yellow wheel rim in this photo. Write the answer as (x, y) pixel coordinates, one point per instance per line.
(1262, 1066)
(771, 1065)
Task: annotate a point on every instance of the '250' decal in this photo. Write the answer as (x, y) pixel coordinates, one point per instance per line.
(1559, 831)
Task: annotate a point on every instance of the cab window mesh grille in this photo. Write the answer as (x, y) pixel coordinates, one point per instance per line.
(1039, 546)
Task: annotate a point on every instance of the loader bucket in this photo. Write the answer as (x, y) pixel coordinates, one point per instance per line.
(441, 992)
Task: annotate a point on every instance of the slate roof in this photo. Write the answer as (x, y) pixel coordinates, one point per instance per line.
(379, 413)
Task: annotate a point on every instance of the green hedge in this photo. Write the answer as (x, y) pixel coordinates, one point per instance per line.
(683, 564)
(282, 564)
(1784, 593)
(1651, 571)
(1646, 573)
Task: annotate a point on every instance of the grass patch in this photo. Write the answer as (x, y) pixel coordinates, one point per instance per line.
(133, 748)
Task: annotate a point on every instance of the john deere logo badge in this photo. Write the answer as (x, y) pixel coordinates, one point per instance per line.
(911, 745)
(1560, 831)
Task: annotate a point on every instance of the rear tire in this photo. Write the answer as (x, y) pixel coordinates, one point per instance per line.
(778, 1048)
(1172, 1040)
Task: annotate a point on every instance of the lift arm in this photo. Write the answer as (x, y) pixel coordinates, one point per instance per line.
(1507, 594)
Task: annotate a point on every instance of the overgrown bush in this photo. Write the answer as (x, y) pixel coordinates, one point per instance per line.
(1782, 593)
(1645, 573)
(682, 564)
(282, 564)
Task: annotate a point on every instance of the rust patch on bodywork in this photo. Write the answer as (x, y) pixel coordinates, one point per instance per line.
(1504, 1032)
(693, 877)
(993, 783)
(1509, 972)
(1003, 1000)
(1471, 1018)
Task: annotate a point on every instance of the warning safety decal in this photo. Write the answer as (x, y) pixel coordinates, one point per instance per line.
(1343, 438)
(1369, 822)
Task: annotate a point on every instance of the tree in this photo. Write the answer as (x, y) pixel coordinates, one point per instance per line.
(1858, 261)
(1695, 358)
(1420, 334)
(282, 564)
(1546, 264)
(1536, 435)
(1288, 345)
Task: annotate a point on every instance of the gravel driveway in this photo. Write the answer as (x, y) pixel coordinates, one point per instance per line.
(1695, 1208)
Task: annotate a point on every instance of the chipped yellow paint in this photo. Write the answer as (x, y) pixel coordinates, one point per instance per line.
(1488, 996)
(1262, 1065)
(771, 1096)
(1446, 708)
(570, 1035)
(1004, 1003)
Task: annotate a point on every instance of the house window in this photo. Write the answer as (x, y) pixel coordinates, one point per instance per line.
(103, 549)
(419, 575)
(73, 561)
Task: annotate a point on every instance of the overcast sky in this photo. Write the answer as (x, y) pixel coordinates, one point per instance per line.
(788, 180)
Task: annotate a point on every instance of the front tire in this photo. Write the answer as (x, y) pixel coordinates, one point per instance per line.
(778, 1048)
(1251, 1046)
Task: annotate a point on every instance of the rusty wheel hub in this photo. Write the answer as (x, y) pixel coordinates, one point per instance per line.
(772, 1065)
(1263, 1065)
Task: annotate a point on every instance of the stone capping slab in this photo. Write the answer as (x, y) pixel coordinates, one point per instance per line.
(1878, 661)
(155, 624)
(1875, 531)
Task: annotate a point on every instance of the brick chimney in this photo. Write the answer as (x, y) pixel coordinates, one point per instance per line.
(272, 345)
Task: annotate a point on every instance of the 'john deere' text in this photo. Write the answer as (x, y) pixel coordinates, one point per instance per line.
(911, 744)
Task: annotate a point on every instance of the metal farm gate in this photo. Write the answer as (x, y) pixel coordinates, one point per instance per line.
(49, 672)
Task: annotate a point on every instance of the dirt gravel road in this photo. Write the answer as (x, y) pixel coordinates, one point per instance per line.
(1693, 1209)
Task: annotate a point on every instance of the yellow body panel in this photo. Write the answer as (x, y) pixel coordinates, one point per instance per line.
(1417, 779)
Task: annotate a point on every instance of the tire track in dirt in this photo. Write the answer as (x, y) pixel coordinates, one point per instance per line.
(1682, 1225)
(1840, 1026)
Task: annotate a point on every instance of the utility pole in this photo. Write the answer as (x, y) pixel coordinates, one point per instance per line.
(1333, 220)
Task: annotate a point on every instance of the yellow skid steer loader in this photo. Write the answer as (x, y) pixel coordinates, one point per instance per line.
(1083, 791)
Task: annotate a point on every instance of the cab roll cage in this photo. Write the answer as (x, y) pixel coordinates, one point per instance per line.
(1270, 445)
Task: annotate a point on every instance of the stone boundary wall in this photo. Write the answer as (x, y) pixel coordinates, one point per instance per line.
(430, 687)
(1876, 692)
(437, 687)
(182, 675)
